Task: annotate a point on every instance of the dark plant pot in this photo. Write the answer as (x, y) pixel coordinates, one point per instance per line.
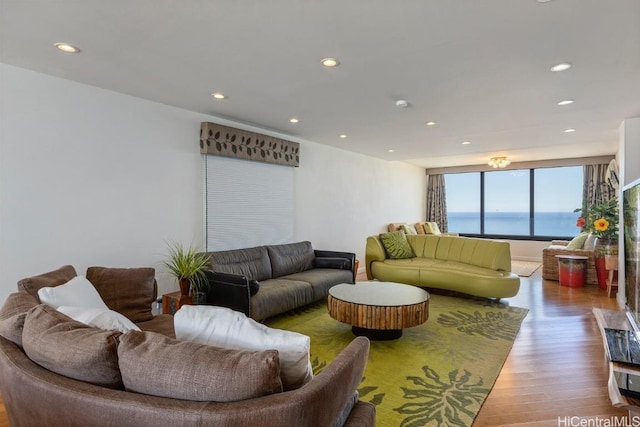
(602, 248)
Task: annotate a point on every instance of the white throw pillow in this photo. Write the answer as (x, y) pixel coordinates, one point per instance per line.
(226, 328)
(99, 318)
(77, 292)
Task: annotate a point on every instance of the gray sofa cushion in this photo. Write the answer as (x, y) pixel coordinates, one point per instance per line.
(278, 296)
(12, 315)
(129, 291)
(62, 345)
(52, 278)
(160, 366)
(291, 258)
(321, 279)
(252, 262)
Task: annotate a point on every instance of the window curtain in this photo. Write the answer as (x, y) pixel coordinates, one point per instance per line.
(437, 201)
(596, 189)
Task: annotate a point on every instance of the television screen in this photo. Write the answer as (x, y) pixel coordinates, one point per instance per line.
(631, 230)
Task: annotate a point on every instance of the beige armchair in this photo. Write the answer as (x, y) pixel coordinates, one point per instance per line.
(558, 247)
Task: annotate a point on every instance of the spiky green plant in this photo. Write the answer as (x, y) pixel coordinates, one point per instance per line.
(187, 263)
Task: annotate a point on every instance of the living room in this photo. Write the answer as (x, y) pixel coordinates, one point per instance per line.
(93, 175)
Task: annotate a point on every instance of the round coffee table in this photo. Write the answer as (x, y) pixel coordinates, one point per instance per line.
(378, 310)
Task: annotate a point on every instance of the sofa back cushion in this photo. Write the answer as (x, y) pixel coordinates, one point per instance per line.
(291, 258)
(251, 262)
(161, 366)
(60, 344)
(57, 277)
(129, 291)
(12, 315)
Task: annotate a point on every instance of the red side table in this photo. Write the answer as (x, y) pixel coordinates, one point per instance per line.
(572, 270)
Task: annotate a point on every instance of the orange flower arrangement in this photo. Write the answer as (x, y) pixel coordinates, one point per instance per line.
(601, 219)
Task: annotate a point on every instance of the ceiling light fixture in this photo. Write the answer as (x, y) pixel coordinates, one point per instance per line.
(466, 142)
(561, 67)
(391, 151)
(566, 102)
(569, 130)
(218, 95)
(430, 123)
(342, 135)
(330, 62)
(293, 120)
(67, 48)
(401, 103)
(499, 162)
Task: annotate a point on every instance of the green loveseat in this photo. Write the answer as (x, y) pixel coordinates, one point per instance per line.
(478, 267)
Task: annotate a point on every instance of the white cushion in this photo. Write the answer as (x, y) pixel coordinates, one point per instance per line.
(77, 292)
(99, 318)
(226, 328)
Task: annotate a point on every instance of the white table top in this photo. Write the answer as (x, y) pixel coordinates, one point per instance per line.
(379, 293)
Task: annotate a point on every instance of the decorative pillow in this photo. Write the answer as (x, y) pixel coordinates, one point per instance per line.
(161, 366)
(66, 347)
(396, 245)
(431, 228)
(52, 278)
(578, 241)
(408, 229)
(78, 292)
(590, 243)
(130, 291)
(12, 315)
(225, 328)
(99, 318)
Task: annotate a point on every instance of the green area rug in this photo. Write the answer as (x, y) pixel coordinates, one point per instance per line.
(436, 374)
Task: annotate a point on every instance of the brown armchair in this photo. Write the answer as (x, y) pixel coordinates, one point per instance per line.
(558, 247)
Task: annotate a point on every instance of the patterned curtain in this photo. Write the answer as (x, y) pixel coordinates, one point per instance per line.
(595, 188)
(437, 201)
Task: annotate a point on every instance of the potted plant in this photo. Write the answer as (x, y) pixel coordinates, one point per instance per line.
(189, 266)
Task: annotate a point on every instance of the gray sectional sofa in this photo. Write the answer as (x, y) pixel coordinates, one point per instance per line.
(268, 280)
(59, 372)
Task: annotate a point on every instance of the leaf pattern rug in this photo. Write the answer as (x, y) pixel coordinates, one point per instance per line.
(436, 374)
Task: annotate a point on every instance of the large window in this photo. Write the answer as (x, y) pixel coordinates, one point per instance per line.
(525, 203)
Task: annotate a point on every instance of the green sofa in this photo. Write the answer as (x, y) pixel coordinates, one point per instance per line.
(478, 267)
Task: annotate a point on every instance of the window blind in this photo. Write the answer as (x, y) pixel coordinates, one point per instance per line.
(247, 203)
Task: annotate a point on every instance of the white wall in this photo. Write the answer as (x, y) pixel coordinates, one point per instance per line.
(93, 177)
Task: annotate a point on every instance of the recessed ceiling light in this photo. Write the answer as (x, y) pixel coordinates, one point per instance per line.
(569, 130)
(430, 123)
(561, 67)
(566, 102)
(65, 47)
(218, 95)
(543, 1)
(293, 120)
(330, 62)
(466, 142)
(391, 151)
(342, 135)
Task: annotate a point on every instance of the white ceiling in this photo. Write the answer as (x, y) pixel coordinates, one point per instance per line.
(479, 68)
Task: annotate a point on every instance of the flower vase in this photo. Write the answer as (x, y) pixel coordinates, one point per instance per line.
(185, 298)
(602, 248)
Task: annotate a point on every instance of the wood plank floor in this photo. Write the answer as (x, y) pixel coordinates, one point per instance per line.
(557, 366)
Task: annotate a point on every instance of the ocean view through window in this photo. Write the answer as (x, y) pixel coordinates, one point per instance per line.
(515, 203)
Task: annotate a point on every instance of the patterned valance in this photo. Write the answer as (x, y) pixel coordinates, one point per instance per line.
(241, 144)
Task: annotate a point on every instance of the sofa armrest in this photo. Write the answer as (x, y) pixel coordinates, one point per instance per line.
(374, 252)
(350, 257)
(560, 242)
(229, 290)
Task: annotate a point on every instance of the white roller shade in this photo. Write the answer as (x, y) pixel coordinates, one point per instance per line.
(247, 203)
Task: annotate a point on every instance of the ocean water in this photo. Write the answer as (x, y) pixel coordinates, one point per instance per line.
(555, 224)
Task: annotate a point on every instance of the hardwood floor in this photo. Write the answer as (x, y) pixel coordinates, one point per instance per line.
(557, 367)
